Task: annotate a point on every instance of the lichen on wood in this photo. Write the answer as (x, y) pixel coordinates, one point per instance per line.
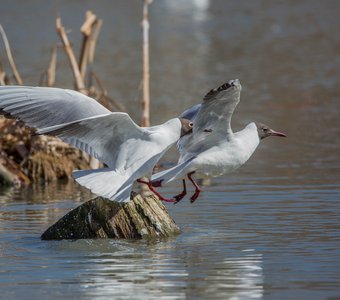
(142, 217)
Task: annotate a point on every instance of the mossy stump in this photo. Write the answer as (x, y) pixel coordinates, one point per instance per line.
(101, 218)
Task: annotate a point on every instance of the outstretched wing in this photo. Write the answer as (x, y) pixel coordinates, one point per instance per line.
(41, 107)
(113, 138)
(211, 119)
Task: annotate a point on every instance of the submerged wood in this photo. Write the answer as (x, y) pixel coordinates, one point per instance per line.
(142, 217)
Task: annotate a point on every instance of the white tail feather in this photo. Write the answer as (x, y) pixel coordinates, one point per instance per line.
(172, 173)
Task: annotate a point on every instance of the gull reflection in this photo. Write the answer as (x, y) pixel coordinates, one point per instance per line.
(139, 271)
(198, 8)
(133, 272)
(238, 277)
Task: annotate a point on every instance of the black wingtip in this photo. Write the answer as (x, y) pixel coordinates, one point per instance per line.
(221, 88)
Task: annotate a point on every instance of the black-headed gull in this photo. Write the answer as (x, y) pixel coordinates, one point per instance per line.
(213, 149)
(128, 150)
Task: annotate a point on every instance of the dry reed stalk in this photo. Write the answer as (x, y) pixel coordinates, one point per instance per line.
(80, 86)
(144, 190)
(2, 75)
(86, 29)
(90, 18)
(37, 162)
(10, 56)
(103, 96)
(51, 71)
(93, 39)
(146, 66)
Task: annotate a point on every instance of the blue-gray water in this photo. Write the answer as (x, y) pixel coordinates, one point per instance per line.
(272, 229)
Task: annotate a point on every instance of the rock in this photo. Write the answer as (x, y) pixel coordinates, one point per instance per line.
(101, 218)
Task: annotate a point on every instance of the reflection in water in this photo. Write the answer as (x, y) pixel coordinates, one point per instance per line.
(166, 273)
(39, 204)
(114, 275)
(197, 10)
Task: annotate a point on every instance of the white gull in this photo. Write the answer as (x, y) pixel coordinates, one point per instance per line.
(129, 151)
(213, 149)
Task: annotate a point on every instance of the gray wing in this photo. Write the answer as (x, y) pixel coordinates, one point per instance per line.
(191, 112)
(41, 107)
(211, 119)
(112, 138)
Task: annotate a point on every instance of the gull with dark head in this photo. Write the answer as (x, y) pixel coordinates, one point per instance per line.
(213, 149)
(129, 151)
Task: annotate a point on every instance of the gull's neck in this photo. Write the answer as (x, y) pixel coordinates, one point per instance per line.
(249, 137)
(170, 131)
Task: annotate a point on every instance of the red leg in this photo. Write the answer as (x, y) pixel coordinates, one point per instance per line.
(197, 188)
(180, 196)
(152, 189)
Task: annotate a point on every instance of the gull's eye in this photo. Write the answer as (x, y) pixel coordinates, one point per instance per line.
(265, 130)
(191, 124)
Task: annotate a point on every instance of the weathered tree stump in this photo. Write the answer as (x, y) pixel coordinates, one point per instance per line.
(6, 177)
(101, 218)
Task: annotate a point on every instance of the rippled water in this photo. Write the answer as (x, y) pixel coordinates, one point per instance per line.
(241, 240)
(270, 230)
